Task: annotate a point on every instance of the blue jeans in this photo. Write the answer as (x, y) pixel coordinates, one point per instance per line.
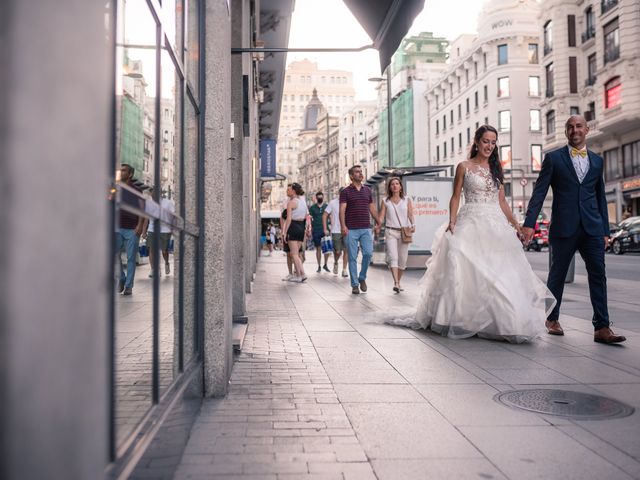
(365, 238)
(128, 238)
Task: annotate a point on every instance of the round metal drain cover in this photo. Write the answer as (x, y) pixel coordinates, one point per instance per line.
(564, 403)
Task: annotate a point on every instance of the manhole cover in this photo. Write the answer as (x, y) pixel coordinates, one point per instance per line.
(564, 403)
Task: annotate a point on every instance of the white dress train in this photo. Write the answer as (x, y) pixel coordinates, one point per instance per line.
(478, 280)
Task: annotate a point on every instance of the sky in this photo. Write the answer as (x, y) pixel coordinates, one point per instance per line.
(329, 23)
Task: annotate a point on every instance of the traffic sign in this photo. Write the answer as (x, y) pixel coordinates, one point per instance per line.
(524, 182)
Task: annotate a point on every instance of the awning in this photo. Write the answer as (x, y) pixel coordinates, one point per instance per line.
(386, 22)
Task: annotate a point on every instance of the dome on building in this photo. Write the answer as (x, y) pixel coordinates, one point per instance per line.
(312, 112)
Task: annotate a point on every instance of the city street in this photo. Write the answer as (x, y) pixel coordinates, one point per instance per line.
(324, 390)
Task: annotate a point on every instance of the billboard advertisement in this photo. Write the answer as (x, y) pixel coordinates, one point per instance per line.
(267, 158)
(430, 197)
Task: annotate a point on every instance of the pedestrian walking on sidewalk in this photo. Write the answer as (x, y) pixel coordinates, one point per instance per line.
(356, 209)
(332, 213)
(316, 211)
(168, 208)
(478, 279)
(580, 222)
(295, 227)
(397, 212)
(130, 228)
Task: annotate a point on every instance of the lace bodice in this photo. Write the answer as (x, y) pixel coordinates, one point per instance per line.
(479, 186)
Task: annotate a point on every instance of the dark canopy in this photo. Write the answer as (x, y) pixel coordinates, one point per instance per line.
(386, 22)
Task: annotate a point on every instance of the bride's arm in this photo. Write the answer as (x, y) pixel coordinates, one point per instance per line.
(454, 203)
(504, 206)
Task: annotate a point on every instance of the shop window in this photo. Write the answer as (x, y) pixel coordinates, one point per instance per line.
(612, 93)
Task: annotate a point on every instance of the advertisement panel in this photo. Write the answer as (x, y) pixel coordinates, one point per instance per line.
(430, 197)
(267, 158)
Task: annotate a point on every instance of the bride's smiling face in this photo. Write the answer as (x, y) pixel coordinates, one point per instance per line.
(487, 143)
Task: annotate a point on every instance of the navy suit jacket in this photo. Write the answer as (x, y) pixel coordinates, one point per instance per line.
(574, 203)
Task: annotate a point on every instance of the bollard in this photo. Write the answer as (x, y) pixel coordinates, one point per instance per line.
(571, 271)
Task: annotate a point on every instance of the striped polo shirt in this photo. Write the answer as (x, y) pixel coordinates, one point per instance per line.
(357, 213)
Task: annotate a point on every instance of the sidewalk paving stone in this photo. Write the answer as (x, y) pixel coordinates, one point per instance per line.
(323, 390)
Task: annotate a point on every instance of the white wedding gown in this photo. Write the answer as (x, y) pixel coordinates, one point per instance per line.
(478, 280)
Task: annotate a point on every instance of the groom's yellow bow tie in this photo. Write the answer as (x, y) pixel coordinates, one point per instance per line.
(575, 152)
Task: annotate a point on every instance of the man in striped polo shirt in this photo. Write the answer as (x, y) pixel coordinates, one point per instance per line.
(356, 204)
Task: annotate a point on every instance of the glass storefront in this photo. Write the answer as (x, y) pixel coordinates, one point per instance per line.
(156, 208)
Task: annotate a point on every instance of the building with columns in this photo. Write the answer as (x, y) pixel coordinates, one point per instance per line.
(590, 60)
(493, 78)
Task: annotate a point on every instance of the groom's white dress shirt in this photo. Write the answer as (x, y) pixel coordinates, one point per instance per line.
(580, 163)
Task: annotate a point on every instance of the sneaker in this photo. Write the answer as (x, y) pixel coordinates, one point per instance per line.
(363, 285)
(335, 268)
(355, 290)
(319, 269)
(287, 278)
(298, 279)
(127, 292)
(303, 278)
(167, 268)
(325, 268)
(345, 274)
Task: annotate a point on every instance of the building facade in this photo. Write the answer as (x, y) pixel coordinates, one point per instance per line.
(336, 92)
(590, 60)
(494, 78)
(355, 128)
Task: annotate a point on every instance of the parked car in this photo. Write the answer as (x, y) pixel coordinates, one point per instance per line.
(627, 239)
(540, 236)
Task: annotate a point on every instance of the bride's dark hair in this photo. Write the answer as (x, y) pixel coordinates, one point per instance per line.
(495, 165)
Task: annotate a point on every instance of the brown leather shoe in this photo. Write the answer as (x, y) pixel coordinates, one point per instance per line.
(553, 327)
(605, 335)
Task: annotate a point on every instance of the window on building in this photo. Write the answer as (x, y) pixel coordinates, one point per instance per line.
(466, 76)
(548, 70)
(571, 27)
(505, 157)
(437, 153)
(467, 106)
(475, 98)
(444, 145)
(484, 61)
(590, 24)
(612, 166)
(611, 41)
(532, 53)
(548, 37)
(590, 113)
(477, 125)
(504, 120)
(536, 158)
(458, 80)
(452, 146)
(437, 127)
(459, 112)
(503, 87)
(475, 69)
(451, 116)
(444, 123)
(573, 75)
(612, 92)
(437, 106)
(486, 94)
(534, 86)
(535, 123)
(468, 135)
(486, 120)
(551, 122)
(460, 141)
(503, 55)
(631, 159)
(591, 70)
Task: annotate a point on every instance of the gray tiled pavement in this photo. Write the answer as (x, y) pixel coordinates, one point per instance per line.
(323, 390)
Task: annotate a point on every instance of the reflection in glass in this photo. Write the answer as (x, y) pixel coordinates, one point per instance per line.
(170, 101)
(135, 146)
(192, 46)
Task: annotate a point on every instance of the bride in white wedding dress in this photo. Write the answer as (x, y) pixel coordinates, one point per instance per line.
(478, 280)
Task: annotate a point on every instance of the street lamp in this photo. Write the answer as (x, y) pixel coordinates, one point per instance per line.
(389, 114)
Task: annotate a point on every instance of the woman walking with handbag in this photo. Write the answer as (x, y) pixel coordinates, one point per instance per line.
(397, 210)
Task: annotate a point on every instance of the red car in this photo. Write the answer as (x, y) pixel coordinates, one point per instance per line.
(540, 237)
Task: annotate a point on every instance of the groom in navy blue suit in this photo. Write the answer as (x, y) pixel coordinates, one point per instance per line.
(579, 222)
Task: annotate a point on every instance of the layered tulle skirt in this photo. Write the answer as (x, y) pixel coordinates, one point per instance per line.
(479, 282)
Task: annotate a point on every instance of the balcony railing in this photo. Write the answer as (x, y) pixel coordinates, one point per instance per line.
(590, 81)
(589, 33)
(611, 54)
(547, 50)
(607, 5)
